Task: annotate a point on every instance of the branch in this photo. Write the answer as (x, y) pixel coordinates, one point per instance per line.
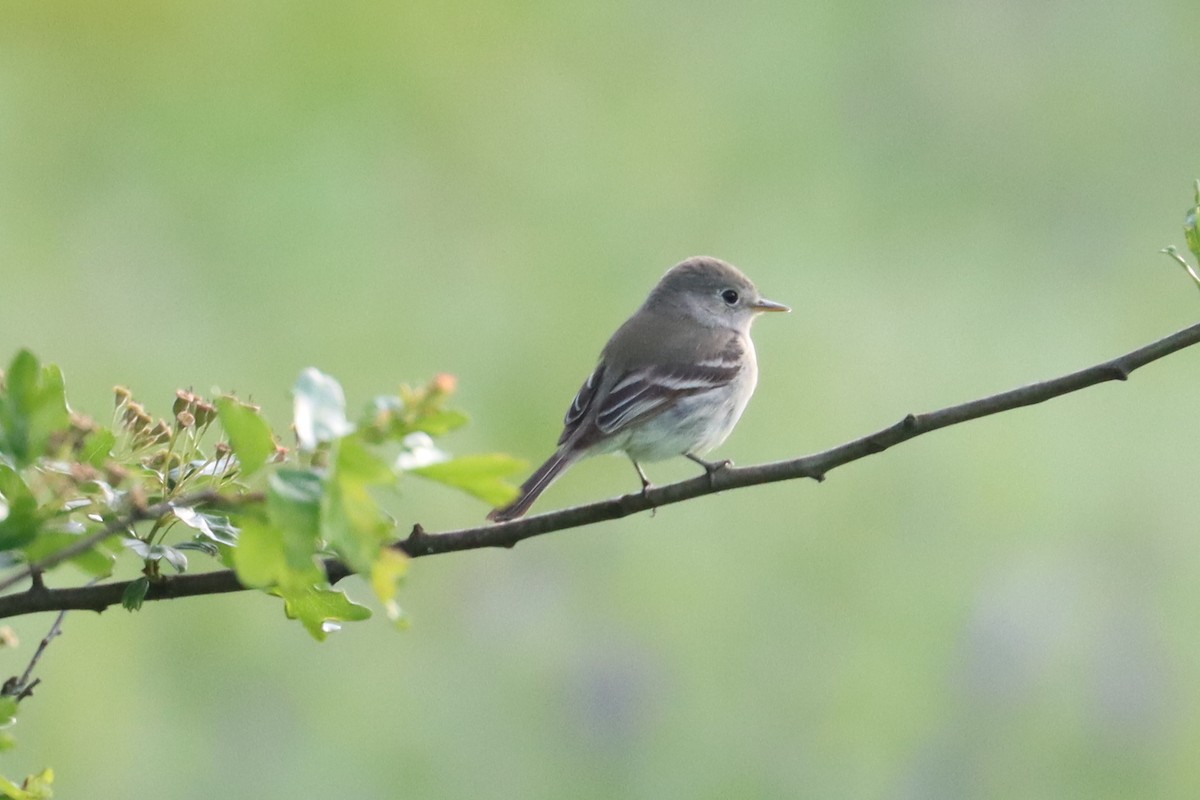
(814, 466)
(507, 534)
(98, 598)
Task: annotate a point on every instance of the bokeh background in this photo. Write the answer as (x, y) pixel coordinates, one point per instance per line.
(956, 197)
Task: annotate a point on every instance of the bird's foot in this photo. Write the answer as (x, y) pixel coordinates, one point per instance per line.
(711, 468)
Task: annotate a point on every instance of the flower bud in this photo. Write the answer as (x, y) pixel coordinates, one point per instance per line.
(205, 412)
(183, 399)
(82, 472)
(114, 473)
(160, 433)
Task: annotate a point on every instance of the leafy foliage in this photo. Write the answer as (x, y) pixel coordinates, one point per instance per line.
(35, 787)
(1191, 226)
(73, 490)
(271, 512)
(1191, 234)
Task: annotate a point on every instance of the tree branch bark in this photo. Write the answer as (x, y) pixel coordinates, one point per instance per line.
(421, 543)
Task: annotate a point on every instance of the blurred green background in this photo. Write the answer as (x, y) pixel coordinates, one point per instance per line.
(955, 197)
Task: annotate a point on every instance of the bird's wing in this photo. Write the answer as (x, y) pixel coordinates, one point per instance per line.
(581, 403)
(644, 392)
(637, 384)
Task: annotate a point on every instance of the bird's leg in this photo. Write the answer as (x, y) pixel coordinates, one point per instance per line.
(710, 467)
(641, 475)
(645, 482)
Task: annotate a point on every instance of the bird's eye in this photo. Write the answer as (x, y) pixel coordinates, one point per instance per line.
(730, 297)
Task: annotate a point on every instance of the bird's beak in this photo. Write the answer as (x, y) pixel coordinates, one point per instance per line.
(762, 304)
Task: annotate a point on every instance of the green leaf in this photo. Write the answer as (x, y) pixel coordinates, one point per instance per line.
(94, 562)
(386, 573)
(294, 505)
(356, 462)
(98, 446)
(260, 560)
(212, 526)
(200, 546)
(1191, 232)
(319, 409)
(172, 555)
(14, 792)
(35, 787)
(8, 711)
(39, 785)
(135, 593)
(439, 422)
(19, 520)
(249, 434)
(33, 407)
(480, 475)
(320, 609)
(158, 552)
(11, 790)
(351, 520)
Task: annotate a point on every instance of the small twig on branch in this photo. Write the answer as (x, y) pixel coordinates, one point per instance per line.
(422, 543)
(1181, 261)
(20, 688)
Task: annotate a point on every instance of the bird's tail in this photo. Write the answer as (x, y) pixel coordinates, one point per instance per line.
(538, 482)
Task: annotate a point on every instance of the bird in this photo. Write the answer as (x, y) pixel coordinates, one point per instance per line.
(672, 381)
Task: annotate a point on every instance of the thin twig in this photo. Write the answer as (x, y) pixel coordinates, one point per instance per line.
(20, 688)
(1173, 253)
(422, 543)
